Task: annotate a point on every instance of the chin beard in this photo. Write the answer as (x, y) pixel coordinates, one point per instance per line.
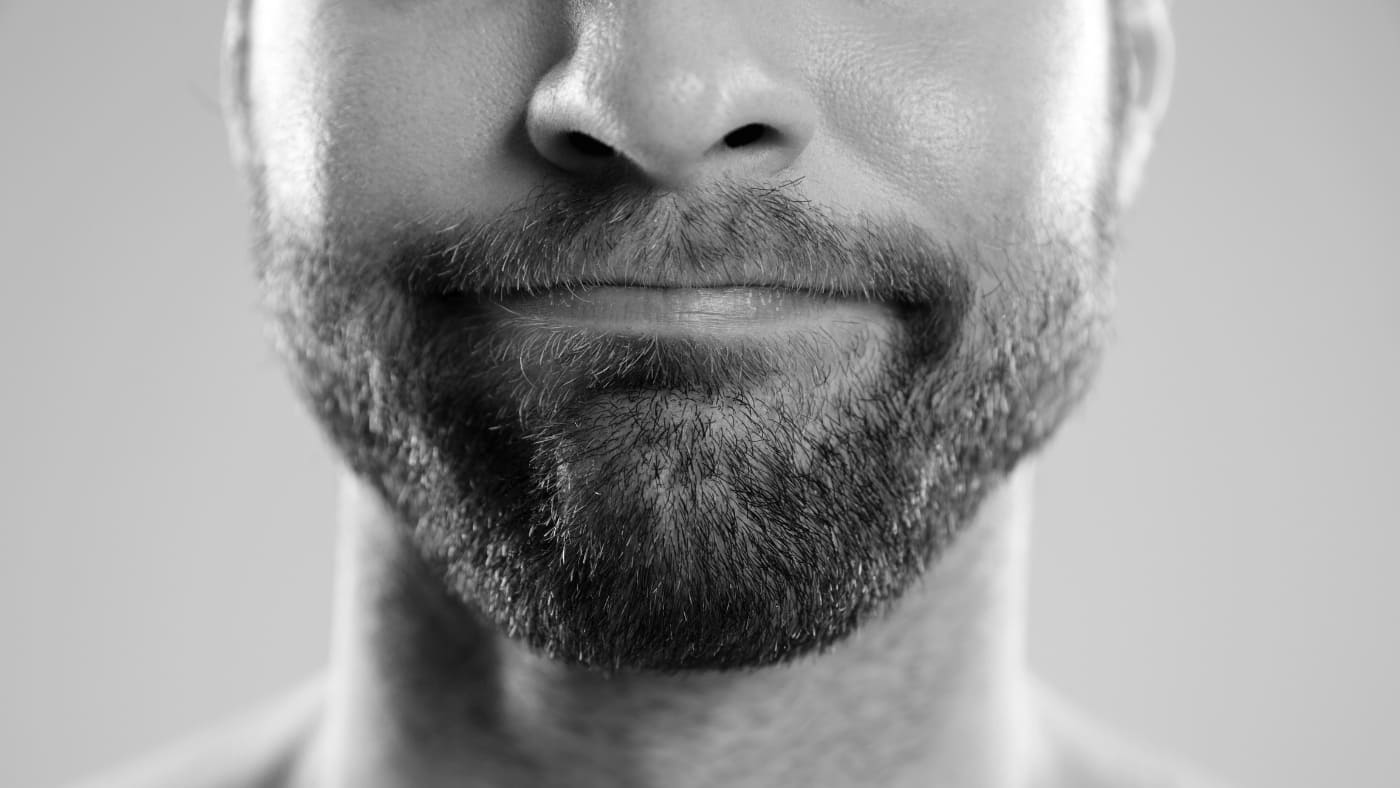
(630, 503)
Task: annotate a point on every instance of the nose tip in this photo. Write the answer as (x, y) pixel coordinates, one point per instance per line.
(698, 125)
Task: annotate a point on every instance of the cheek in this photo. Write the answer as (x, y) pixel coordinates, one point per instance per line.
(366, 115)
(999, 110)
(285, 90)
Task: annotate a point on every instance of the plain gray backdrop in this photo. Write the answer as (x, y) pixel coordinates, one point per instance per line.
(1215, 550)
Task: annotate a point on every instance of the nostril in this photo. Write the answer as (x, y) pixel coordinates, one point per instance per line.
(589, 146)
(745, 135)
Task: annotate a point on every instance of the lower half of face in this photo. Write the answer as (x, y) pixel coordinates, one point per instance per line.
(632, 477)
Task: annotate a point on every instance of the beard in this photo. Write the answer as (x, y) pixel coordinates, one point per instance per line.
(667, 503)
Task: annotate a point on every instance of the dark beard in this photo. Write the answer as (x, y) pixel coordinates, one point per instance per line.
(664, 503)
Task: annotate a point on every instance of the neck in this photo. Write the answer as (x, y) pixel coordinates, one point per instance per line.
(422, 693)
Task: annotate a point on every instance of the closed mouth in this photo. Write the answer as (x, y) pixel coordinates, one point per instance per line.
(716, 311)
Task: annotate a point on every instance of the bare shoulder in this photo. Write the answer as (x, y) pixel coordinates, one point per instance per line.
(254, 750)
(1083, 753)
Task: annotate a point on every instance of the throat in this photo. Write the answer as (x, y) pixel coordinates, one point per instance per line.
(422, 692)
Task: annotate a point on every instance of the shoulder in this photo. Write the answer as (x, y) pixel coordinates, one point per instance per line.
(1080, 752)
(254, 750)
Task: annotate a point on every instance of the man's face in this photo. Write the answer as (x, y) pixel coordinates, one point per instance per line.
(684, 334)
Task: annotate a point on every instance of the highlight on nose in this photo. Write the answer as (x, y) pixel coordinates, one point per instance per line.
(698, 125)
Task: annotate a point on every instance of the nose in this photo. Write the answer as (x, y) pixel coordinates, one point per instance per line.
(680, 91)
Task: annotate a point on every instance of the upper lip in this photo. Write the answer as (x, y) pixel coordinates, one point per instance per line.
(729, 278)
(691, 283)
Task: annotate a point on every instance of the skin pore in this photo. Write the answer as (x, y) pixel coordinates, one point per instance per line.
(687, 360)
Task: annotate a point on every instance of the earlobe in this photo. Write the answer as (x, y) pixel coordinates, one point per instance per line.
(1151, 53)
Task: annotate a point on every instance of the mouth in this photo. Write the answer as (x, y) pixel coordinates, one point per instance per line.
(720, 312)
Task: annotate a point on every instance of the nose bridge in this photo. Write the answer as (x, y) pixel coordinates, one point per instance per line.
(678, 88)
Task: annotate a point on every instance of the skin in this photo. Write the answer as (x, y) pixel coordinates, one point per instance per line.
(967, 118)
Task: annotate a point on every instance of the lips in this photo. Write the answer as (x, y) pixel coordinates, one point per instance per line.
(715, 311)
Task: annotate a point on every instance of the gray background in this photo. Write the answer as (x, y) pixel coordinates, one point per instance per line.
(1216, 535)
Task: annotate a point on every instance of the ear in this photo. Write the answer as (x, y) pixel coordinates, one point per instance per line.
(235, 80)
(1151, 54)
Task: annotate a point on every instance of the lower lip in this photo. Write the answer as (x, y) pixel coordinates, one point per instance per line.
(714, 311)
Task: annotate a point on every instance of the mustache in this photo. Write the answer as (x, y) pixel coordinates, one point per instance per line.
(728, 235)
